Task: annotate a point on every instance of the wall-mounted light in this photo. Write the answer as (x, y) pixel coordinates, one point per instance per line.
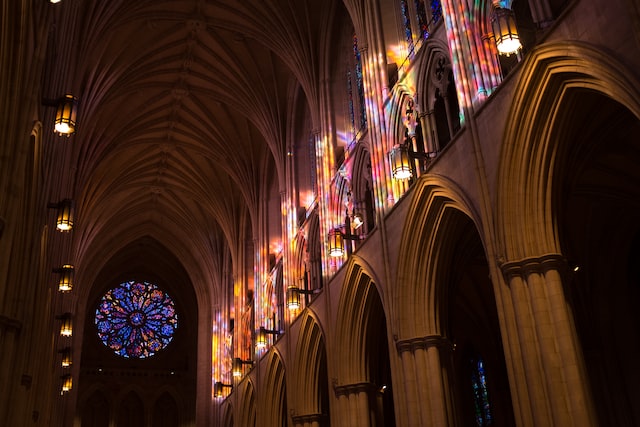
(293, 296)
(336, 241)
(218, 389)
(65, 214)
(261, 336)
(65, 283)
(67, 110)
(65, 360)
(237, 366)
(67, 383)
(66, 327)
(505, 31)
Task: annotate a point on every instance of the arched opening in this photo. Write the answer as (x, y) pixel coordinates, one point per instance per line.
(481, 382)
(131, 412)
(377, 363)
(599, 207)
(96, 411)
(312, 397)
(165, 412)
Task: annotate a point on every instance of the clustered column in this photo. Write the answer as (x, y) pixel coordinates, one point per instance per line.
(426, 367)
(550, 373)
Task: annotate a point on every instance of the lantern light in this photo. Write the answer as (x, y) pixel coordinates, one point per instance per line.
(336, 243)
(65, 122)
(65, 214)
(237, 366)
(66, 327)
(66, 357)
(65, 284)
(67, 383)
(505, 31)
(400, 163)
(218, 389)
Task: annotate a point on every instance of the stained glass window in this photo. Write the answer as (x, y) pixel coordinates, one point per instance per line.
(136, 319)
(480, 394)
(359, 82)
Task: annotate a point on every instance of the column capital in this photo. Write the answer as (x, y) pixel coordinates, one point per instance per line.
(308, 418)
(423, 343)
(534, 265)
(348, 389)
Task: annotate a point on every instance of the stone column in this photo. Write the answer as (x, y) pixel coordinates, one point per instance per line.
(551, 379)
(426, 365)
(358, 402)
(310, 420)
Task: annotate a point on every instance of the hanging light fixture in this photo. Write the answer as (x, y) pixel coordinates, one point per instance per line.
(65, 361)
(218, 389)
(67, 109)
(65, 283)
(66, 328)
(505, 31)
(65, 213)
(67, 383)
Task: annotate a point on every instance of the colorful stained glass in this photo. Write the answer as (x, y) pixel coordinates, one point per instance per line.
(480, 394)
(436, 10)
(136, 319)
(421, 13)
(359, 82)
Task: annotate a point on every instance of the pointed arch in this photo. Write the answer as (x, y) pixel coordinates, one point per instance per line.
(358, 300)
(310, 369)
(247, 405)
(525, 191)
(437, 206)
(274, 409)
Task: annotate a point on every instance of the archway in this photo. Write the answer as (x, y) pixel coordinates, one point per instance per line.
(598, 199)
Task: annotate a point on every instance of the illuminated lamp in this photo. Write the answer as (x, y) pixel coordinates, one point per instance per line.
(66, 328)
(218, 389)
(357, 220)
(65, 122)
(400, 162)
(67, 383)
(336, 243)
(293, 298)
(237, 366)
(65, 213)
(505, 32)
(65, 284)
(261, 336)
(66, 357)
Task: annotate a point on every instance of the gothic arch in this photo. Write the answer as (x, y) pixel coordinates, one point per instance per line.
(96, 408)
(274, 404)
(310, 369)
(425, 232)
(247, 404)
(356, 303)
(525, 203)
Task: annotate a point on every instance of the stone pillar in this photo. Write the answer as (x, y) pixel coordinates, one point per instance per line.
(310, 420)
(426, 366)
(551, 378)
(360, 397)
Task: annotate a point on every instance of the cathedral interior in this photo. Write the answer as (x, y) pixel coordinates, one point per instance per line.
(305, 213)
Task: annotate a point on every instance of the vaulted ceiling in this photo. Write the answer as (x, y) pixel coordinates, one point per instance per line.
(187, 110)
